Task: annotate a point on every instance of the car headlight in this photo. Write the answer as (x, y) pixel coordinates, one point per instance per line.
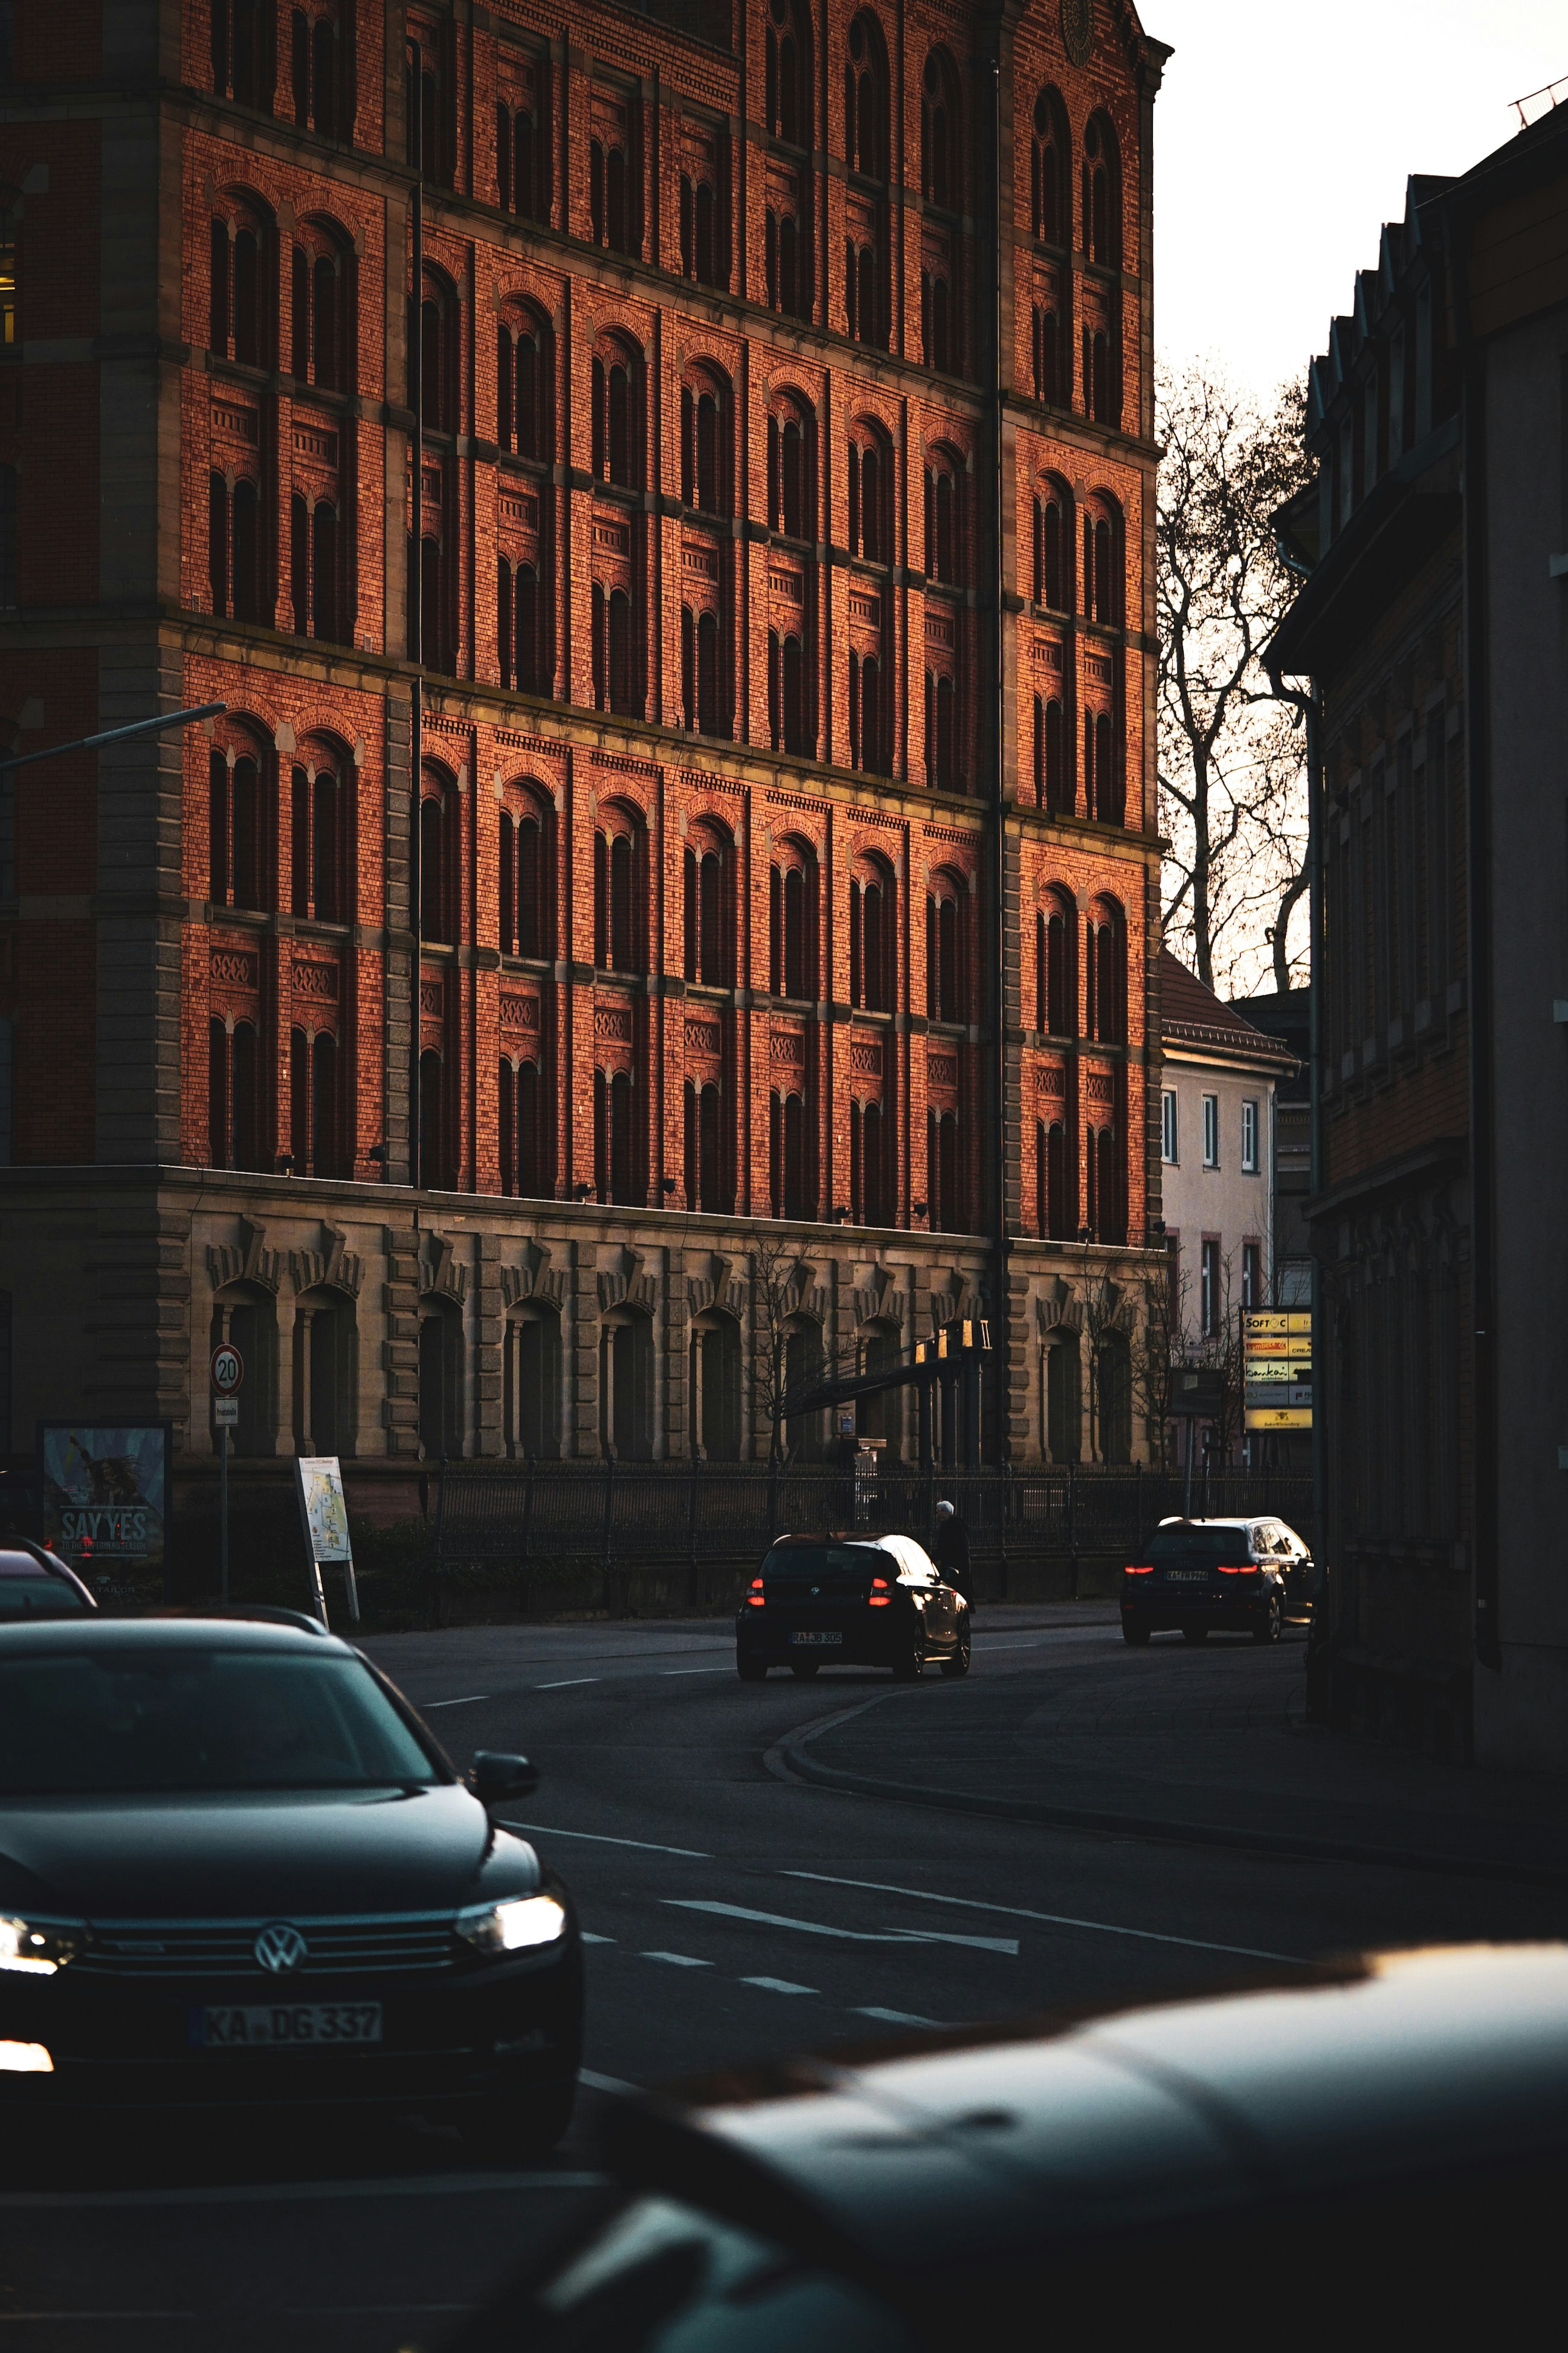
(512, 1926)
(33, 1948)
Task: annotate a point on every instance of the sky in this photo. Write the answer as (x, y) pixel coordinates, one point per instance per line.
(1283, 139)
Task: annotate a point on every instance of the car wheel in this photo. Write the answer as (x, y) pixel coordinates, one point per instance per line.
(1132, 1632)
(959, 1663)
(515, 2126)
(1269, 1630)
(803, 1669)
(913, 1665)
(1195, 1633)
(752, 1671)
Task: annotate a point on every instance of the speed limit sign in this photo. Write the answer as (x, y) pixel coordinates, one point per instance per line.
(227, 1371)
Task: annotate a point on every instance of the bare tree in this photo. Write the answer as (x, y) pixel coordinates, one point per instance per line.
(1157, 1346)
(779, 1279)
(1220, 1350)
(1108, 1309)
(1232, 789)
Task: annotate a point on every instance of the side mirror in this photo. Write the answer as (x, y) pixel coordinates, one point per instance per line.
(494, 1775)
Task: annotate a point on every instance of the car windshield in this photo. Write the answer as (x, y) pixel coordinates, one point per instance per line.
(829, 1560)
(1199, 1547)
(117, 1721)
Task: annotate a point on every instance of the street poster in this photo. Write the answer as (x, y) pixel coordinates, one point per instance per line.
(319, 1479)
(1277, 1366)
(106, 1493)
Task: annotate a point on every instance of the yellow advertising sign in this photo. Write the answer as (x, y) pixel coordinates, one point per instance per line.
(1280, 1417)
(1278, 1322)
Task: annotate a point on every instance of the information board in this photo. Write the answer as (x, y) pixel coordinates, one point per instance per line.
(1277, 1367)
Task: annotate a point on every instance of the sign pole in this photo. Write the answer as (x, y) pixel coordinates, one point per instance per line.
(222, 1510)
(227, 1374)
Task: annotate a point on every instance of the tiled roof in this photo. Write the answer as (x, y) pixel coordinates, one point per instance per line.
(1193, 1015)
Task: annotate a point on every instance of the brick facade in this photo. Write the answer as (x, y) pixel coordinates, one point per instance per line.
(707, 504)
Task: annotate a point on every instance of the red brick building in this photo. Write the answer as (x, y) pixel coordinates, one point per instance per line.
(569, 443)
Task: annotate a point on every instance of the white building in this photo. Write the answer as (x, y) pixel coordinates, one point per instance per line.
(1217, 1143)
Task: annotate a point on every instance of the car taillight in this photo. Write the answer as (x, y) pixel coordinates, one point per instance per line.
(878, 1585)
(881, 1597)
(757, 1595)
(1236, 1568)
(1139, 1568)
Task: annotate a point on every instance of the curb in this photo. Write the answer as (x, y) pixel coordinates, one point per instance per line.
(787, 1761)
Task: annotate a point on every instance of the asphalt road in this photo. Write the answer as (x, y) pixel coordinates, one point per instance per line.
(735, 1915)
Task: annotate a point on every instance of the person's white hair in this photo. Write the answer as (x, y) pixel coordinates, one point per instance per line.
(945, 1507)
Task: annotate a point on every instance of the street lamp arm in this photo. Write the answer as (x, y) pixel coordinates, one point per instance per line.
(118, 734)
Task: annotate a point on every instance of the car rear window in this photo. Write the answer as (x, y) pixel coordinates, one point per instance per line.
(185, 1719)
(829, 1560)
(1196, 1548)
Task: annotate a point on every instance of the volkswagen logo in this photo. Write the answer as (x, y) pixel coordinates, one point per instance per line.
(279, 1947)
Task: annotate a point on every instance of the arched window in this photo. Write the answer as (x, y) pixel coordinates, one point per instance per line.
(243, 307)
(941, 179)
(612, 649)
(619, 892)
(438, 349)
(233, 1104)
(617, 414)
(523, 1140)
(526, 880)
(1101, 574)
(313, 544)
(1101, 224)
(1047, 356)
(873, 939)
(440, 1380)
(1104, 1170)
(611, 196)
(524, 382)
(870, 1177)
(1055, 968)
(706, 466)
(709, 898)
(521, 619)
(1105, 974)
(234, 548)
(791, 924)
(530, 1386)
(1050, 174)
(867, 749)
(522, 154)
(942, 732)
(787, 73)
(626, 1387)
(318, 811)
(322, 342)
(615, 1154)
(313, 1103)
(943, 544)
(1053, 549)
(235, 837)
(244, 52)
(946, 989)
(870, 483)
(939, 340)
(428, 111)
(1064, 1400)
(943, 1181)
(792, 472)
(317, 80)
(702, 229)
(1103, 785)
(865, 100)
(1113, 1397)
(438, 806)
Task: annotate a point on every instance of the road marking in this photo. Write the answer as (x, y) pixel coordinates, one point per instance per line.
(1056, 1919)
(776, 1985)
(678, 1960)
(848, 1935)
(568, 1682)
(588, 1937)
(894, 2017)
(472, 1700)
(233, 2193)
(694, 1671)
(603, 2083)
(598, 1837)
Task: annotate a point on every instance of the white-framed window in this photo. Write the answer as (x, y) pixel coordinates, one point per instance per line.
(1168, 1126)
(1211, 1131)
(1252, 1274)
(1249, 1136)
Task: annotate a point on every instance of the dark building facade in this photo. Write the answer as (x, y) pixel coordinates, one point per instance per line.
(1432, 622)
(601, 463)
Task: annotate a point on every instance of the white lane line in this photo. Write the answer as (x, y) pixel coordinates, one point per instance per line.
(696, 1671)
(893, 2017)
(678, 1960)
(589, 1938)
(472, 1700)
(1056, 1919)
(603, 2083)
(568, 1682)
(846, 1935)
(777, 1985)
(598, 1837)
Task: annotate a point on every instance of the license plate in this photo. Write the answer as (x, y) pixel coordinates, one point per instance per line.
(1186, 1577)
(815, 1642)
(287, 2025)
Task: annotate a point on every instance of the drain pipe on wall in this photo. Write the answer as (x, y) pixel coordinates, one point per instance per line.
(998, 1009)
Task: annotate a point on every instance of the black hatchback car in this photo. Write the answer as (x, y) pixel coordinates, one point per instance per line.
(850, 1601)
(1202, 1574)
(235, 1868)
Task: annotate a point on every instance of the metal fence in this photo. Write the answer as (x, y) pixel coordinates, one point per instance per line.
(508, 1516)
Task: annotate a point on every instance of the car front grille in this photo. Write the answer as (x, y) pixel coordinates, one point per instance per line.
(386, 1945)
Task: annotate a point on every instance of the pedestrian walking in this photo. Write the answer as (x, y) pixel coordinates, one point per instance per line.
(953, 1550)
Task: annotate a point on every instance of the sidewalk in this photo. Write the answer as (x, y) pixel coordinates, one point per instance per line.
(1208, 1746)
